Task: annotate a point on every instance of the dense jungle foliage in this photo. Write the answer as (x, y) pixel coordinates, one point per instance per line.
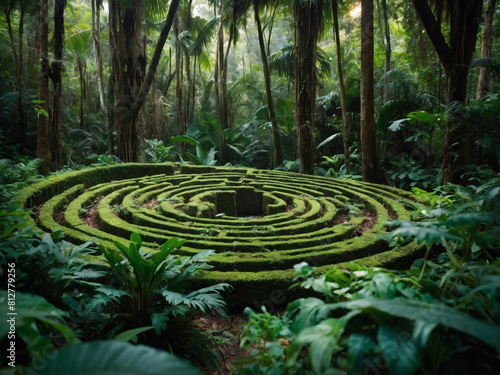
(396, 92)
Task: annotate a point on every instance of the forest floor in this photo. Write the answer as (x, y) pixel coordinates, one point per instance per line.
(230, 351)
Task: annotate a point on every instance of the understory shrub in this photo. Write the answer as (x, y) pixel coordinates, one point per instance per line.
(383, 322)
(67, 293)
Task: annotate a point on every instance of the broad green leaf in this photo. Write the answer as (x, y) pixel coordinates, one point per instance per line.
(472, 218)
(398, 124)
(115, 358)
(323, 339)
(433, 313)
(86, 273)
(492, 193)
(311, 311)
(421, 332)
(185, 138)
(131, 334)
(136, 239)
(29, 309)
(303, 269)
(159, 321)
(423, 116)
(358, 345)
(329, 139)
(401, 355)
(262, 114)
(204, 62)
(422, 234)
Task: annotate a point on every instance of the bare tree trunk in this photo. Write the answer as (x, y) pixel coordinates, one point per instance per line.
(186, 25)
(55, 129)
(483, 83)
(277, 158)
(96, 39)
(306, 29)
(343, 104)
(42, 139)
(192, 91)
(219, 55)
(111, 113)
(371, 171)
(153, 65)
(82, 89)
(18, 60)
(178, 87)
(456, 58)
(388, 49)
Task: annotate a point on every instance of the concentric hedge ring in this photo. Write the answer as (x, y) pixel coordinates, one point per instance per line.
(260, 223)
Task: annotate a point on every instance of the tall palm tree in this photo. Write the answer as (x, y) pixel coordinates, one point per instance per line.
(463, 19)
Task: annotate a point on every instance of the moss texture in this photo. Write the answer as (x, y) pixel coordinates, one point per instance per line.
(260, 223)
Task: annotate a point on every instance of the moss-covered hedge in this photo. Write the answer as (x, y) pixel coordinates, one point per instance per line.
(260, 223)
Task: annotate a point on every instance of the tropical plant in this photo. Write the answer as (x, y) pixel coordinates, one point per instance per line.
(389, 321)
(408, 173)
(204, 136)
(157, 152)
(39, 324)
(135, 288)
(15, 174)
(440, 316)
(112, 357)
(462, 219)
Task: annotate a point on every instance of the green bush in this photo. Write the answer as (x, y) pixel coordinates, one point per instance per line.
(442, 316)
(383, 321)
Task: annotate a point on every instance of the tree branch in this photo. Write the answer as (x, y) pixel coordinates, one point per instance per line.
(433, 28)
(146, 84)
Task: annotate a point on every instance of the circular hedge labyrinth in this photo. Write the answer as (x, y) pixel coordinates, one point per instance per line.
(260, 223)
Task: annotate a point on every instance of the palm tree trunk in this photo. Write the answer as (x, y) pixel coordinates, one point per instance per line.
(277, 158)
(42, 139)
(343, 104)
(483, 84)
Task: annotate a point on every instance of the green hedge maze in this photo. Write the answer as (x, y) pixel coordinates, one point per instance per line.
(260, 223)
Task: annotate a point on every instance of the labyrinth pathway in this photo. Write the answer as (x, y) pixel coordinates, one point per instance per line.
(260, 223)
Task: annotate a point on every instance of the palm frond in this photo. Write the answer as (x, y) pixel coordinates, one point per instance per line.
(206, 31)
(80, 42)
(157, 9)
(282, 62)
